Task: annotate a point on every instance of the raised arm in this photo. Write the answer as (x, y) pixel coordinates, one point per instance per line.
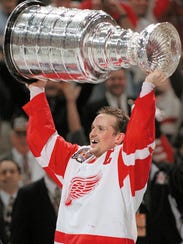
(139, 140)
(140, 131)
(50, 149)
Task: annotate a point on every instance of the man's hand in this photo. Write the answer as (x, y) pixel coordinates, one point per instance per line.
(157, 78)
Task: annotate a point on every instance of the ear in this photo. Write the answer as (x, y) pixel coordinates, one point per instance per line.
(119, 138)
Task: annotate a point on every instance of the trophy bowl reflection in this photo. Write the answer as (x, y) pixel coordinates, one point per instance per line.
(60, 44)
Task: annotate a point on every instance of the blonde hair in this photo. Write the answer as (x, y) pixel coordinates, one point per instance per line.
(121, 117)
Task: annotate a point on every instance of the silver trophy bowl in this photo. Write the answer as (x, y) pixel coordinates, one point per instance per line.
(60, 44)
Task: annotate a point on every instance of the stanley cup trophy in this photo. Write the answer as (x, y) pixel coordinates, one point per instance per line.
(60, 44)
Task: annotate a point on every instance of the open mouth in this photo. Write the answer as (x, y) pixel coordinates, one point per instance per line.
(94, 142)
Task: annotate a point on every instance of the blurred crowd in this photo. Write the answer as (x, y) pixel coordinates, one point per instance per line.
(27, 214)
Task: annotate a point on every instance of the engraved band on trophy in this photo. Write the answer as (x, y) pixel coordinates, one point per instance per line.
(60, 44)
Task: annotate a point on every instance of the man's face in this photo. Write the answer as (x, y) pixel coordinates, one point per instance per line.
(18, 139)
(9, 175)
(102, 135)
(116, 84)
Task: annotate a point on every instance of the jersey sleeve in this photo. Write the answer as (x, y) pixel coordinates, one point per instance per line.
(139, 144)
(50, 149)
(140, 132)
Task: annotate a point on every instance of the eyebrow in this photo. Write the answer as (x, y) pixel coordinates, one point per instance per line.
(10, 170)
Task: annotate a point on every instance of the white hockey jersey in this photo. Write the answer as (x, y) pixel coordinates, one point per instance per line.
(99, 197)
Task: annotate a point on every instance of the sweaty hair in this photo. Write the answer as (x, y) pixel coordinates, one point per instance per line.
(121, 118)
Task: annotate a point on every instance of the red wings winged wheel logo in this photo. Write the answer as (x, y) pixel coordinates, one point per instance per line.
(81, 186)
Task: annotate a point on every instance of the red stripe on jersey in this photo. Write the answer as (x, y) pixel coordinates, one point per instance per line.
(138, 173)
(141, 174)
(143, 133)
(61, 237)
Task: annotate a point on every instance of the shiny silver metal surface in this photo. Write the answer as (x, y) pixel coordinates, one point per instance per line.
(60, 44)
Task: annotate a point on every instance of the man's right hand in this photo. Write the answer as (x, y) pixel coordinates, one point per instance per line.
(157, 78)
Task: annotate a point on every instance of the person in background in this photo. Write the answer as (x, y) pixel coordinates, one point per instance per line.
(10, 97)
(58, 104)
(155, 217)
(10, 177)
(35, 213)
(21, 153)
(169, 107)
(140, 16)
(176, 194)
(118, 10)
(5, 113)
(144, 12)
(62, 98)
(13, 95)
(115, 95)
(114, 166)
(164, 150)
(172, 12)
(57, 101)
(76, 132)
